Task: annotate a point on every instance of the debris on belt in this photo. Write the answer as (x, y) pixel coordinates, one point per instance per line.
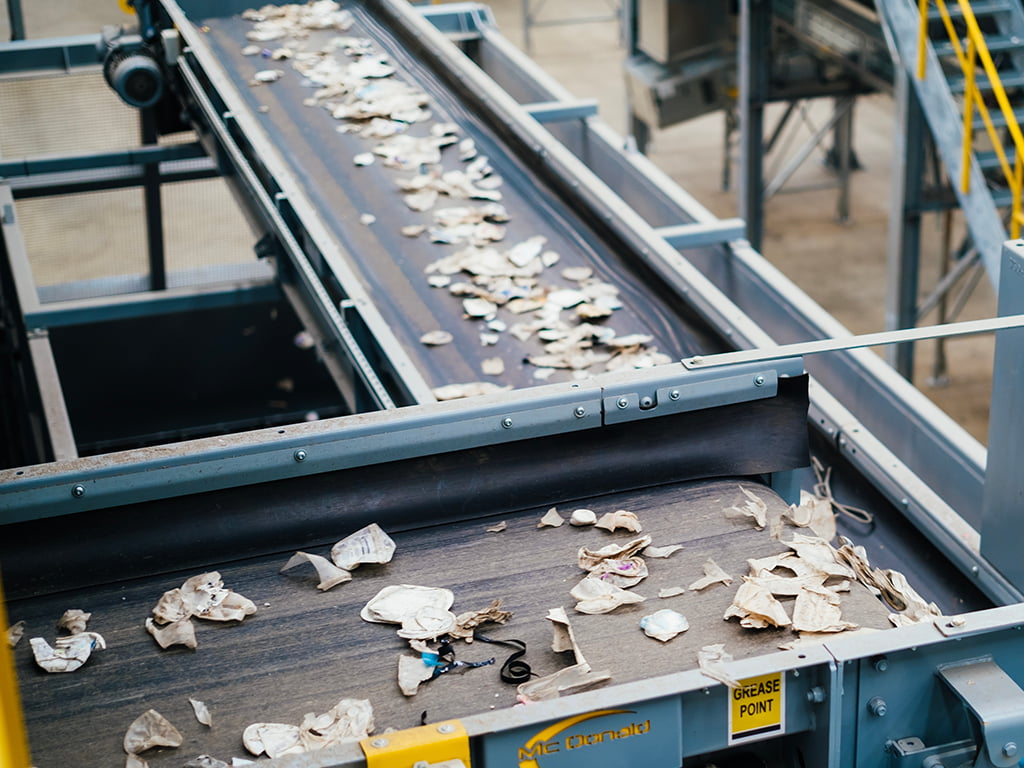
(348, 720)
(589, 559)
(578, 677)
(203, 597)
(330, 574)
(150, 729)
(369, 544)
(596, 595)
(756, 607)
(423, 612)
(469, 389)
(551, 519)
(436, 338)
(620, 518)
(666, 592)
(69, 652)
(582, 518)
(497, 527)
(712, 660)
(754, 507)
(467, 622)
(201, 711)
(663, 625)
(662, 552)
(205, 761)
(713, 574)
(892, 586)
(15, 633)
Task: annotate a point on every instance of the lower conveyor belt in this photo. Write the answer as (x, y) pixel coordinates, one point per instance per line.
(392, 266)
(305, 650)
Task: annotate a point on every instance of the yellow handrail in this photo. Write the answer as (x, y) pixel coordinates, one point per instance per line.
(977, 49)
(13, 744)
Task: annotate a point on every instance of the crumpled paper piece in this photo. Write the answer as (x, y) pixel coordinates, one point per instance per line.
(205, 597)
(820, 554)
(201, 711)
(595, 595)
(348, 720)
(892, 586)
(367, 545)
(665, 624)
(713, 574)
(205, 761)
(181, 632)
(551, 519)
(467, 622)
(814, 513)
(588, 559)
(620, 518)
(412, 670)
(623, 573)
(74, 621)
(582, 517)
(756, 607)
(755, 508)
(817, 610)
(68, 652)
(662, 552)
(15, 632)
(330, 574)
(150, 729)
(393, 604)
(712, 660)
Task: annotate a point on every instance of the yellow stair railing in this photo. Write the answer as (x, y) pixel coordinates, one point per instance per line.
(968, 58)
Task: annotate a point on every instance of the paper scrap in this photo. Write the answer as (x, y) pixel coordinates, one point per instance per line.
(412, 671)
(595, 595)
(625, 573)
(663, 625)
(573, 679)
(820, 554)
(815, 513)
(817, 610)
(202, 712)
(15, 632)
(394, 604)
(551, 519)
(670, 591)
(73, 621)
(588, 559)
(68, 653)
(150, 729)
(367, 545)
(181, 632)
(582, 517)
(330, 574)
(497, 527)
(755, 508)
(662, 552)
(712, 660)
(205, 761)
(467, 622)
(436, 338)
(756, 607)
(620, 518)
(204, 597)
(134, 761)
(348, 720)
(713, 574)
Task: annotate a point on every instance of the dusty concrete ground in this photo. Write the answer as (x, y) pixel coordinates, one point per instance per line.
(841, 265)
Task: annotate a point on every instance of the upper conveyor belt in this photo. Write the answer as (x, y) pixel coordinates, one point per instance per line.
(390, 266)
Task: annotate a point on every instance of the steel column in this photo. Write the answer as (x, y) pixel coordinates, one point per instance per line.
(754, 66)
(17, 19)
(153, 205)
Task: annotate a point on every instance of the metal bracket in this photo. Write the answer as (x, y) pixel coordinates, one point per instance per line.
(997, 702)
(444, 743)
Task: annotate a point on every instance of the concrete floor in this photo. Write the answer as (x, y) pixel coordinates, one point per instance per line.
(841, 265)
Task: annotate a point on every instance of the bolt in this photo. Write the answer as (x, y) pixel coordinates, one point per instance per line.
(759, 381)
(446, 728)
(877, 707)
(622, 403)
(881, 664)
(646, 402)
(78, 491)
(974, 570)
(816, 695)
(379, 743)
(506, 422)
(674, 394)
(580, 412)
(299, 455)
(1010, 749)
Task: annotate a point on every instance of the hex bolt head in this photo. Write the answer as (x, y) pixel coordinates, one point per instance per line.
(759, 381)
(446, 728)
(877, 706)
(506, 422)
(379, 743)
(78, 491)
(674, 394)
(1010, 749)
(580, 412)
(816, 695)
(622, 402)
(881, 664)
(299, 455)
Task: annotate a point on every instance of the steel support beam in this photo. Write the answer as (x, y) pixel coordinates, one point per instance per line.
(754, 71)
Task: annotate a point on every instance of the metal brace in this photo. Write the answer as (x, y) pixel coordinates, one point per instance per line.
(429, 746)
(997, 703)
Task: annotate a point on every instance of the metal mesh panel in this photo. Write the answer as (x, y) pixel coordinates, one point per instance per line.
(203, 227)
(56, 19)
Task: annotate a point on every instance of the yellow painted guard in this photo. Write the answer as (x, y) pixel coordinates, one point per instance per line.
(428, 744)
(13, 743)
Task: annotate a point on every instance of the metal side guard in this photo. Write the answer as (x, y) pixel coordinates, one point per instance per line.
(439, 745)
(997, 702)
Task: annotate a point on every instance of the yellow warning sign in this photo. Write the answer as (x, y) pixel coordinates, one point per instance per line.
(757, 708)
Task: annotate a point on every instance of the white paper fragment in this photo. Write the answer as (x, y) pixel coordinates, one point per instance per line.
(814, 513)
(73, 621)
(712, 660)
(819, 554)
(367, 219)
(348, 720)
(577, 274)
(15, 632)
(204, 597)
(467, 622)
(568, 680)
(412, 230)
(240, 762)
(817, 610)
(202, 712)
(713, 574)
(150, 729)
(205, 761)
(363, 158)
(551, 519)
(268, 75)
(589, 559)
(68, 653)
(563, 639)
(595, 596)
(582, 517)
(626, 572)
(330, 574)
(436, 338)
(670, 591)
(478, 307)
(662, 552)
(754, 508)
(367, 545)
(493, 366)
(412, 671)
(620, 518)
(665, 624)
(428, 622)
(469, 389)
(756, 607)
(181, 632)
(421, 201)
(439, 281)
(393, 604)
(497, 527)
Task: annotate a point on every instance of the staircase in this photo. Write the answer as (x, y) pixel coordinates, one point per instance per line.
(966, 61)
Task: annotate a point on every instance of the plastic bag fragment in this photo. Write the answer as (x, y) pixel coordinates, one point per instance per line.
(595, 595)
(663, 625)
(367, 545)
(712, 660)
(330, 574)
(551, 519)
(202, 712)
(713, 574)
(150, 729)
(620, 518)
(181, 632)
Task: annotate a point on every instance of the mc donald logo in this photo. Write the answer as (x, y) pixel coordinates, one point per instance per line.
(549, 741)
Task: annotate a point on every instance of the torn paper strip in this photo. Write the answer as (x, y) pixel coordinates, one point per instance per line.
(713, 574)
(150, 729)
(712, 660)
(367, 545)
(568, 680)
(662, 552)
(665, 624)
(594, 595)
(670, 591)
(754, 508)
(201, 711)
(15, 632)
(68, 652)
(412, 671)
(620, 518)
(330, 574)
(181, 632)
(551, 519)
(563, 638)
(497, 527)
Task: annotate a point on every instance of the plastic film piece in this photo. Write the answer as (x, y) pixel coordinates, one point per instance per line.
(435, 743)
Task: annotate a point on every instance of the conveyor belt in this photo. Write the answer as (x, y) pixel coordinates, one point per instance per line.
(304, 650)
(392, 266)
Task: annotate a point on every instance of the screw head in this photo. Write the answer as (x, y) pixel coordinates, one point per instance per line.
(78, 491)
(580, 412)
(622, 402)
(816, 695)
(646, 402)
(299, 455)
(674, 394)
(759, 381)
(1010, 749)
(506, 422)
(379, 743)
(878, 707)
(881, 664)
(446, 728)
